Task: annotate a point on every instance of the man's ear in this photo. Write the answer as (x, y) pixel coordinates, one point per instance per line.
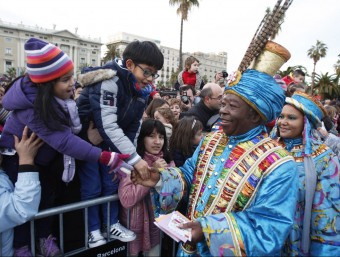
(130, 65)
(255, 117)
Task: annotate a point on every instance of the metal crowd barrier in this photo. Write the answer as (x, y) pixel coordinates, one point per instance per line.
(74, 207)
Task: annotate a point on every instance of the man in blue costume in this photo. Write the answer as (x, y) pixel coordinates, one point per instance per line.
(242, 185)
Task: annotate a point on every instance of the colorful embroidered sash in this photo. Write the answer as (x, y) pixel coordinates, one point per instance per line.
(240, 176)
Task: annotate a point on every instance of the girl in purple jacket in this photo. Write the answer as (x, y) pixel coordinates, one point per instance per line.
(42, 101)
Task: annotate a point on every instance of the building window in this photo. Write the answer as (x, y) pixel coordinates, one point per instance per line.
(94, 52)
(93, 62)
(82, 60)
(65, 48)
(8, 39)
(8, 64)
(8, 51)
(83, 50)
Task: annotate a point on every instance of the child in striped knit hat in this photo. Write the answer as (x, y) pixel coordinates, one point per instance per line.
(41, 100)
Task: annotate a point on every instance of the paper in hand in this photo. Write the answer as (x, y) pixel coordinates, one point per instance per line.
(169, 224)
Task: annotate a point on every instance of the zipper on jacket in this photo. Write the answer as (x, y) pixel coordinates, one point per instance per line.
(127, 109)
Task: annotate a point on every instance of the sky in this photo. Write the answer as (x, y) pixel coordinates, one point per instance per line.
(215, 26)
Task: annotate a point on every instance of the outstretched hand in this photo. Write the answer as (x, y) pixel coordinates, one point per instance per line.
(196, 231)
(151, 182)
(142, 168)
(27, 147)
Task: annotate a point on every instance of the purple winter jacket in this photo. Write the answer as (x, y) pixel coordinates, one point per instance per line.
(20, 100)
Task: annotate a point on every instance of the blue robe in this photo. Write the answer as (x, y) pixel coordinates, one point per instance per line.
(325, 218)
(242, 190)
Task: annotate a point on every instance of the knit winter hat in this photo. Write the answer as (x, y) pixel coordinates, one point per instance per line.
(45, 61)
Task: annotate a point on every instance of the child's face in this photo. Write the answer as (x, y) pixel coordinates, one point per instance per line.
(197, 138)
(63, 89)
(143, 73)
(160, 117)
(193, 67)
(176, 110)
(299, 79)
(157, 95)
(154, 142)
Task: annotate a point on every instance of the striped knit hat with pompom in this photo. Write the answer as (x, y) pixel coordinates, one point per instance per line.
(45, 61)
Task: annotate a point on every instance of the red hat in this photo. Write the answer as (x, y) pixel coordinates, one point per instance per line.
(153, 93)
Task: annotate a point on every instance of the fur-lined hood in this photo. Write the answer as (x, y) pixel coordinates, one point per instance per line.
(96, 76)
(110, 70)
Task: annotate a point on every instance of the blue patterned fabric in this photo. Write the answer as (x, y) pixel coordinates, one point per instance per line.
(170, 193)
(260, 91)
(325, 222)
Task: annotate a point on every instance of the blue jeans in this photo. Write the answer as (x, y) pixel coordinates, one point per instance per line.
(96, 181)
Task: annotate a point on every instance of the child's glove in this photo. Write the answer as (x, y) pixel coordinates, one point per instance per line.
(116, 163)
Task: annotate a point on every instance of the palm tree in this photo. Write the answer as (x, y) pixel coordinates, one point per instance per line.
(173, 77)
(327, 85)
(111, 53)
(290, 69)
(337, 66)
(316, 53)
(183, 10)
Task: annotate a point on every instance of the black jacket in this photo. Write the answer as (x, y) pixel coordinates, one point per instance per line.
(201, 112)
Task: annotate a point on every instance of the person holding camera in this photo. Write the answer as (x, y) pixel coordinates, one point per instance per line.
(221, 77)
(211, 96)
(186, 96)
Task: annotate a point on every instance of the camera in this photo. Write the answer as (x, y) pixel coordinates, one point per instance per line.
(224, 74)
(184, 98)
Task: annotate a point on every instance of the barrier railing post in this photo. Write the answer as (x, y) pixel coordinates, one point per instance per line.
(61, 232)
(32, 237)
(86, 227)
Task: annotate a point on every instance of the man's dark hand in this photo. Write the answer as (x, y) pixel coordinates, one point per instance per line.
(196, 231)
(151, 182)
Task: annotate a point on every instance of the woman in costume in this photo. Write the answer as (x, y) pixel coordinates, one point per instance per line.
(316, 224)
